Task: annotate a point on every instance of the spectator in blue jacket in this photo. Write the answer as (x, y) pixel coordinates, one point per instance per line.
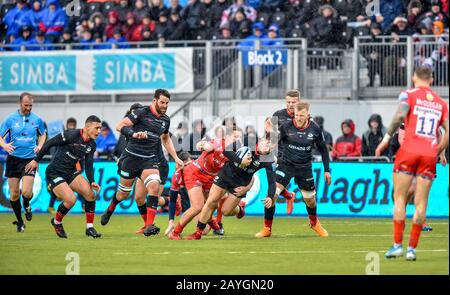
(16, 18)
(24, 39)
(389, 10)
(106, 142)
(117, 40)
(35, 14)
(40, 42)
(272, 37)
(258, 33)
(54, 19)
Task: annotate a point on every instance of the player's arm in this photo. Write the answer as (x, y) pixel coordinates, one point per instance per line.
(125, 127)
(89, 168)
(57, 140)
(4, 130)
(204, 145)
(168, 144)
(399, 117)
(42, 136)
(322, 147)
(271, 181)
(443, 144)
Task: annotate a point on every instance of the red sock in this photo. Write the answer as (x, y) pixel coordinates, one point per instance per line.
(178, 229)
(399, 227)
(112, 207)
(219, 212)
(90, 217)
(59, 216)
(268, 223)
(151, 213)
(312, 219)
(415, 235)
(287, 195)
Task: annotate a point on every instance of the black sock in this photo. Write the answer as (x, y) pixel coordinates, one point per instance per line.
(61, 212)
(201, 225)
(311, 211)
(143, 209)
(152, 202)
(26, 201)
(269, 213)
(17, 210)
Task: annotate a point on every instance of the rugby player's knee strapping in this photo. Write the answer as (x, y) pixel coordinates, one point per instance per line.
(123, 192)
(152, 181)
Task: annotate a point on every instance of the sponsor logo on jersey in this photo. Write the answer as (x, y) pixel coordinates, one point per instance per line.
(429, 97)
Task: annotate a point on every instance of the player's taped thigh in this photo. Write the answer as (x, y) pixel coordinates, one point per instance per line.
(125, 189)
(279, 190)
(151, 178)
(308, 194)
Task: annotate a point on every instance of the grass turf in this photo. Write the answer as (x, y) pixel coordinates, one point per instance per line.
(292, 249)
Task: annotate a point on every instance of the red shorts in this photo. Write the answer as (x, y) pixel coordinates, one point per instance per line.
(415, 164)
(194, 177)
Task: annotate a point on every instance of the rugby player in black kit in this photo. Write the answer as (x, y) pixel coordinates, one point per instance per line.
(236, 178)
(145, 129)
(297, 138)
(63, 177)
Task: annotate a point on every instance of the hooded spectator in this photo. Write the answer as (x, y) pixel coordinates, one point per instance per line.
(34, 15)
(272, 38)
(54, 19)
(176, 26)
(117, 40)
(249, 12)
(123, 10)
(258, 34)
(106, 141)
(373, 136)
(162, 29)
(327, 135)
(96, 23)
(240, 26)
(147, 25)
(24, 39)
(194, 15)
(215, 13)
(129, 29)
(349, 144)
(113, 23)
(140, 10)
(40, 42)
(326, 30)
(16, 18)
(156, 6)
(66, 37)
(415, 11)
(97, 40)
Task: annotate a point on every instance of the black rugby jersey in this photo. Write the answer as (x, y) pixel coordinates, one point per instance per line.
(147, 120)
(298, 143)
(283, 118)
(71, 149)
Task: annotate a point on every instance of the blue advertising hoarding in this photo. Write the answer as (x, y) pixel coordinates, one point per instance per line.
(357, 189)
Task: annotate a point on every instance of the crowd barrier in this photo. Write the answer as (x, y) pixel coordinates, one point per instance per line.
(357, 190)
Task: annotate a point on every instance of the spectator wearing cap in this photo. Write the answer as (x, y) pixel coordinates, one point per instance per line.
(240, 26)
(399, 28)
(34, 15)
(98, 43)
(272, 38)
(140, 10)
(130, 27)
(415, 12)
(40, 42)
(373, 136)
(194, 15)
(16, 18)
(106, 142)
(162, 29)
(54, 19)
(249, 12)
(146, 27)
(66, 37)
(258, 34)
(349, 144)
(176, 26)
(375, 54)
(327, 135)
(86, 41)
(325, 31)
(225, 34)
(24, 39)
(389, 10)
(117, 40)
(113, 23)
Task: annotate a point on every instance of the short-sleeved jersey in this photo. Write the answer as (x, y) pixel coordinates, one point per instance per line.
(177, 180)
(147, 120)
(298, 144)
(214, 161)
(23, 131)
(427, 112)
(72, 148)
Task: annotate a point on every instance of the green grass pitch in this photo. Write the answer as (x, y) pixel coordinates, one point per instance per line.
(292, 249)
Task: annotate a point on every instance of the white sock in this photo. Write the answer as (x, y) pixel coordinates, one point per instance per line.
(57, 222)
(89, 225)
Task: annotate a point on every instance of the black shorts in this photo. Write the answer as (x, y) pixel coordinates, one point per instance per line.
(15, 167)
(55, 177)
(229, 183)
(163, 171)
(303, 177)
(131, 166)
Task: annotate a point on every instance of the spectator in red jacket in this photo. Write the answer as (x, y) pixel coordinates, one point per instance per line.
(113, 23)
(349, 144)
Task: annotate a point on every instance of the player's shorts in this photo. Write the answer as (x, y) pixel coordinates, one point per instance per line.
(55, 177)
(414, 164)
(163, 171)
(15, 167)
(227, 183)
(194, 176)
(130, 167)
(303, 177)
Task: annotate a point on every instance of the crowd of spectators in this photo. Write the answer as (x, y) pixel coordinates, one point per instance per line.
(99, 24)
